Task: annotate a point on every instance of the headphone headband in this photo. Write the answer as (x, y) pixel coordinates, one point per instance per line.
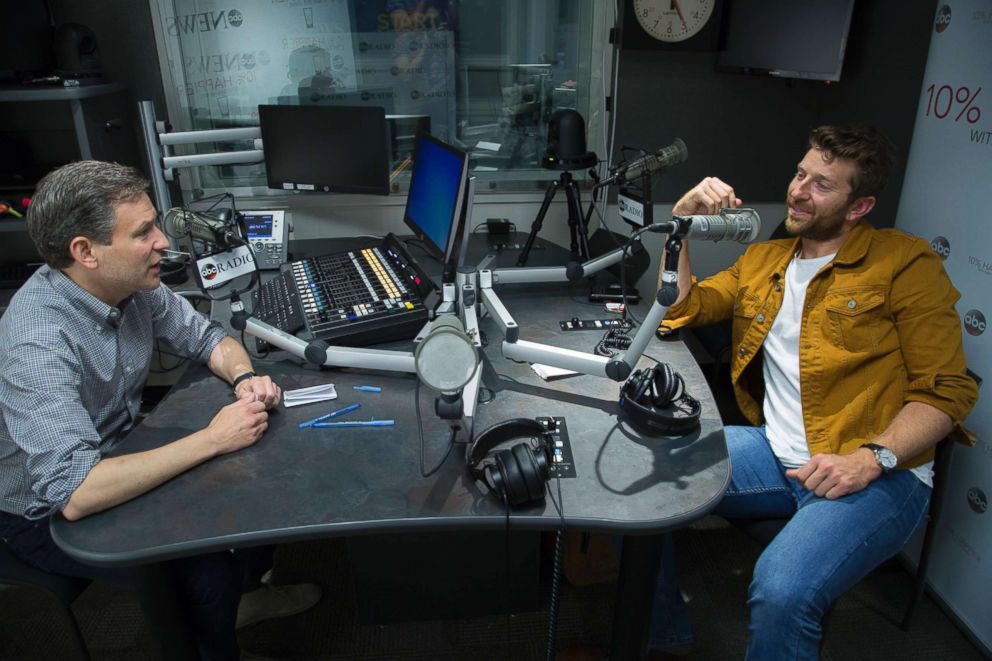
(655, 402)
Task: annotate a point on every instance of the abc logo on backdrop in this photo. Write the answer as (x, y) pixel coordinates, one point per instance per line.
(941, 246)
(943, 18)
(974, 322)
(977, 500)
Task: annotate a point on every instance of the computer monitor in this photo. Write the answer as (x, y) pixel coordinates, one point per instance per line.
(325, 149)
(454, 256)
(437, 190)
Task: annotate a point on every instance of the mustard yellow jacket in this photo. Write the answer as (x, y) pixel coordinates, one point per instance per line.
(879, 330)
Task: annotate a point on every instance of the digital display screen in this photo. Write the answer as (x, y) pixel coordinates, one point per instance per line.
(259, 227)
(438, 172)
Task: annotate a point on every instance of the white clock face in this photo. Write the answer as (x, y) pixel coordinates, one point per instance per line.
(673, 20)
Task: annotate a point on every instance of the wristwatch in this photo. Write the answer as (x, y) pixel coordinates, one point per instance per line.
(884, 457)
(243, 377)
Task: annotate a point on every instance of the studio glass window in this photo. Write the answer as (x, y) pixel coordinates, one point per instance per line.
(483, 75)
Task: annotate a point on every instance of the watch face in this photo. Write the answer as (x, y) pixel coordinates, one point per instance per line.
(673, 20)
(886, 458)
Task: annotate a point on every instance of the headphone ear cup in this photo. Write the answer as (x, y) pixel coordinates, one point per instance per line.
(530, 471)
(665, 385)
(517, 474)
(513, 478)
(639, 384)
(494, 478)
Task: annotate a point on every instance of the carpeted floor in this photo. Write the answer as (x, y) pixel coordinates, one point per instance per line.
(715, 567)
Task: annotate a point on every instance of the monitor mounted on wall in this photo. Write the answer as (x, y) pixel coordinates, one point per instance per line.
(325, 149)
(803, 39)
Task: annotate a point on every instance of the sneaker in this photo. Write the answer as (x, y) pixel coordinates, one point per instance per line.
(271, 601)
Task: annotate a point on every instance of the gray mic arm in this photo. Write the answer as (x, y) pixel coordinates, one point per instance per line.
(572, 272)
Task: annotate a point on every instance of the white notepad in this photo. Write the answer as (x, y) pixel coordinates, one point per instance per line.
(309, 395)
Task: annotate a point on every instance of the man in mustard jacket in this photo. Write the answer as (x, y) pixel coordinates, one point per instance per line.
(848, 361)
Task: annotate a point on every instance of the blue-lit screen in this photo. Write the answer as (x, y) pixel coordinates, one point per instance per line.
(430, 206)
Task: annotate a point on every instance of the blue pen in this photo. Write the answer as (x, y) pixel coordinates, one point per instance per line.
(353, 423)
(368, 388)
(332, 414)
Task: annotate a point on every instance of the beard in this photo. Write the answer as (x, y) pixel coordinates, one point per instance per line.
(817, 226)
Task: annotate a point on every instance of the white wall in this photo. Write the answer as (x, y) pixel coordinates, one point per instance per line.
(945, 200)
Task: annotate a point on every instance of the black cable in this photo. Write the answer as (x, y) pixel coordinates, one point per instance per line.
(506, 572)
(555, 573)
(627, 248)
(614, 341)
(420, 431)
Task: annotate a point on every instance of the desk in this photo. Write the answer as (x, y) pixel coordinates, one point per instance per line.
(296, 485)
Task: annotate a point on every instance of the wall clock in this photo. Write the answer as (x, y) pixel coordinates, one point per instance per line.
(670, 25)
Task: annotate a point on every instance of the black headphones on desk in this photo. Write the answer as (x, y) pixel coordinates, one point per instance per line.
(656, 403)
(516, 475)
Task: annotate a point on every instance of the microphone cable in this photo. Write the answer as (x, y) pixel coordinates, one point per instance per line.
(420, 431)
(556, 570)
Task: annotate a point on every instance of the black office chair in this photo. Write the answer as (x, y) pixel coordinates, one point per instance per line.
(65, 589)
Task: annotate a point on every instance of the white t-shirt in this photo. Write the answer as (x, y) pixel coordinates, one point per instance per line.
(783, 406)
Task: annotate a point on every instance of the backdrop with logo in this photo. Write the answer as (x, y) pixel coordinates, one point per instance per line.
(945, 200)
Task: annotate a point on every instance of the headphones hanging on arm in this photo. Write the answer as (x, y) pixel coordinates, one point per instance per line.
(517, 475)
(655, 402)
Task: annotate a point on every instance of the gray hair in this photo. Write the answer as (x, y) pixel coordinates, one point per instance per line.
(79, 199)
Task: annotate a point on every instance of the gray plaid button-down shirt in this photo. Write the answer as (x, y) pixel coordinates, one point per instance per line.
(72, 369)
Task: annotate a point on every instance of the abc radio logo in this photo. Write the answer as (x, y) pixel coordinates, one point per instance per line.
(977, 500)
(209, 271)
(235, 18)
(941, 246)
(943, 18)
(974, 322)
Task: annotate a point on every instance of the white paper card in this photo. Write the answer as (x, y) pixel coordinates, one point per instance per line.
(309, 395)
(547, 372)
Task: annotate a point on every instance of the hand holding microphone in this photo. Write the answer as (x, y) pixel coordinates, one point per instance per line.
(707, 197)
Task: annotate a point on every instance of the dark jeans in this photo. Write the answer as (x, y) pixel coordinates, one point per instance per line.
(207, 586)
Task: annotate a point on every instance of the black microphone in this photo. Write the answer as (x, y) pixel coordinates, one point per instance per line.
(205, 228)
(741, 225)
(673, 154)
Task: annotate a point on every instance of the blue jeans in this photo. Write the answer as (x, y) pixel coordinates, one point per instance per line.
(824, 550)
(208, 586)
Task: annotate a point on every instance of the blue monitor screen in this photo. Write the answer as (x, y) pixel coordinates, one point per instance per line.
(431, 206)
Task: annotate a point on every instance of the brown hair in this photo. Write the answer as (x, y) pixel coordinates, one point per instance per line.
(872, 153)
(79, 199)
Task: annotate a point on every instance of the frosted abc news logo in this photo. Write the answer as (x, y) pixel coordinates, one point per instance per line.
(943, 18)
(977, 500)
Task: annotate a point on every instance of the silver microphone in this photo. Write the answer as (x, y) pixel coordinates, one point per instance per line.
(673, 154)
(741, 225)
(204, 228)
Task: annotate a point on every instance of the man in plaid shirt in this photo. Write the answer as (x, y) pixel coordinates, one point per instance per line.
(75, 348)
